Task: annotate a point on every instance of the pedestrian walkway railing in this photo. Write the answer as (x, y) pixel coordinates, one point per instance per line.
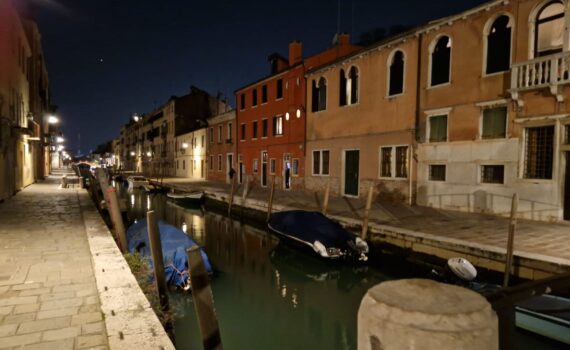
(504, 301)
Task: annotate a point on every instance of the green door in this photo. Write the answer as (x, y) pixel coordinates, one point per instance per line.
(351, 173)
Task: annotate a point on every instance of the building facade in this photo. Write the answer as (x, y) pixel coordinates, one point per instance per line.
(190, 149)
(221, 148)
(459, 114)
(271, 116)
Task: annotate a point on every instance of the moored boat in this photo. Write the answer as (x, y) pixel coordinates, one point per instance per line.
(314, 230)
(152, 188)
(174, 245)
(137, 182)
(190, 198)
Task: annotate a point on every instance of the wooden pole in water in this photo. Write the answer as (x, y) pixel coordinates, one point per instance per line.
(232, 190)
(116, 218)
(103, 182)
(271, 194)
(326, 199)
(203, 301)
(367, 213)
(511, 239)
(157, 258)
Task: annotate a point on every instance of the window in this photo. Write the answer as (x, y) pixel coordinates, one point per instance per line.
(254, 130)
(538, 152)
(272, 166)
(202, 141)
(295, 166)
(402, 161)
(220, 134)
(499, 46)
(264, 127)
(440, 54)
(549, 29)
(254, 97)
(278, 125)
(386, 162)
(219, 162)
(437, 172)
(321, 162)
(230, 133)
(438, 128)
(183, 165)
(242, 133)
(567, 135)
(352, 86)
(396, 76)
(177, 164)
(494, 123)
(211, 162)
(394, 161)
(319, 94)
(211, 135)
(264, 94)
(255, 165)
(279, 92)
(342, 88)
(493, 174)
(242, 101)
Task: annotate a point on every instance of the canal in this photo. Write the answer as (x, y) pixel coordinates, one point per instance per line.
(267, 294)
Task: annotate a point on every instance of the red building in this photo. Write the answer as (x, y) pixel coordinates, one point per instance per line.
(271, 116)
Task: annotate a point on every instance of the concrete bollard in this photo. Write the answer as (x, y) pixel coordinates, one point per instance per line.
(425, 315)
(64, 181)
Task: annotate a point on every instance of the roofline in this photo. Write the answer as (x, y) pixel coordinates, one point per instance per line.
(269, 77)
(417, 31)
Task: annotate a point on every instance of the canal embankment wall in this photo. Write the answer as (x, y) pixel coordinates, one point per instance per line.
(527, 265)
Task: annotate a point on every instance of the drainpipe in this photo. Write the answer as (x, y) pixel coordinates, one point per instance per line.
(416, 137)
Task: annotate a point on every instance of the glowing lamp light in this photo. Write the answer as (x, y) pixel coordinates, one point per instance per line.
(184, 145)
(136, 118)
(298, 113)
(132, 153)
(287, 116)
(53, 119)
(60, 148)
(148, 154)
(59, 139)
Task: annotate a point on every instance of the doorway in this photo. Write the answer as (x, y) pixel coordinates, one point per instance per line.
(229, 167)
(567, 188)
(287, 171)
(263, 169)
(240, 169)
(351, 165)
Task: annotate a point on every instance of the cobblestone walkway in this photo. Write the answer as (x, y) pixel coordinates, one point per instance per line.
(48, 294)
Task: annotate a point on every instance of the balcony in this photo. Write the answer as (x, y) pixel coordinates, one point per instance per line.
(544, 72)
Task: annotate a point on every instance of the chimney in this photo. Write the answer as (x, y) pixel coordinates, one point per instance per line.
(343, 39)
(295, 52)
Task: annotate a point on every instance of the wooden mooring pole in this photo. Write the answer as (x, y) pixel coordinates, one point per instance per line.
(326, 199)
(203, 301)
(367, 213)
(511, 239)
(270, 201)
(232, 195)
(157, 258)
(116, 218)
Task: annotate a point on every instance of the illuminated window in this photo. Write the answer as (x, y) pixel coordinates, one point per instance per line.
(278, 125)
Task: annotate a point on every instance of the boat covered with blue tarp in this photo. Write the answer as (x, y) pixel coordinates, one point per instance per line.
(313, 229)
(174, 245)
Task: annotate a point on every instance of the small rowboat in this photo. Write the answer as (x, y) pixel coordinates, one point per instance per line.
(190, 199)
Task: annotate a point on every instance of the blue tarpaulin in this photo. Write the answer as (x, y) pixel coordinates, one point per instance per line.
(174, 245)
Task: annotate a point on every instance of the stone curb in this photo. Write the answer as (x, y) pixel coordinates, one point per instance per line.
(130, 321)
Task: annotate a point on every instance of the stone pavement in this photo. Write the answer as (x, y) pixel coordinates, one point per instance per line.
(541, 240)
(63, 282)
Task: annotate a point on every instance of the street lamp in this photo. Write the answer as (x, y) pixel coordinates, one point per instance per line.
(148, 154)
(132, 153)
(59, 139)
(51, 119)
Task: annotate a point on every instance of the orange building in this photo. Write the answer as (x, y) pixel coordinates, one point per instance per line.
(271, 116)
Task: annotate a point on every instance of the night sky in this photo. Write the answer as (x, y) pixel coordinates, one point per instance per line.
(108, 59)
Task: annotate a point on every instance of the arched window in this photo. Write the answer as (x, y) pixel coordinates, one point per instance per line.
(549, 30)
(396, 77)
(319, 95)
(499, 46)
(352, 85)
(440, 61)
(342, 88)
(322, 94)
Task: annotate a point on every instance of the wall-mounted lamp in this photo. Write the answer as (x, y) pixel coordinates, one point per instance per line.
(298, 113)
(149, 154)
(51, 119)
(59, 139)
(287, 116)
(184, 145)
(132, 153)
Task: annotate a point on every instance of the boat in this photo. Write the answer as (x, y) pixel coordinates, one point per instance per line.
(322, 235)
(152, 188)
(189, 198)
(174, 245)
(547, 315)
(137, 182)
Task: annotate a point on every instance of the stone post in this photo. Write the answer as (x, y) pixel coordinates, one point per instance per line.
(427, 315)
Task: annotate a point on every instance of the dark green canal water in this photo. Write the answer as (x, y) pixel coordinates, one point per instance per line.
(269, 295)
